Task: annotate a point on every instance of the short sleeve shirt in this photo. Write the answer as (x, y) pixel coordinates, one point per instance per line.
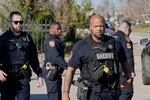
(81, 52)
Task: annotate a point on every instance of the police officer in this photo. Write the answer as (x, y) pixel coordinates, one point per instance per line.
(54, 61)
(96, 56)
(122, 35)
(18, 53)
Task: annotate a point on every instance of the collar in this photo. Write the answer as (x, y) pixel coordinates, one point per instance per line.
(11, 33)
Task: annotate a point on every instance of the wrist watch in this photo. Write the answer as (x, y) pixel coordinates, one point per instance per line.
(132, 75)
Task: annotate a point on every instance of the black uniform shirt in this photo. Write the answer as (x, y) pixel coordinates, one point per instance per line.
(81, 53)
(128, 47)
(31, 54)
(54, 51)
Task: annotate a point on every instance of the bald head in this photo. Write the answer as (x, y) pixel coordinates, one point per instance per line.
(97, 27)
(125, 27)
(95, 17)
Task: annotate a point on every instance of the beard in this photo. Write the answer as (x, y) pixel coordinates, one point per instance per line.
(99, 37)
(17, 29)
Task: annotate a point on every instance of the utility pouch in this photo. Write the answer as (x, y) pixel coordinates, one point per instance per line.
(52, 71)
(24, 72)
(20, 75)
(97, 88)
(82, 94)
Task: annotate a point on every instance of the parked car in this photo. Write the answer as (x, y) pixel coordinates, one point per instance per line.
(147, 21)
(110, 30)
(145, 61)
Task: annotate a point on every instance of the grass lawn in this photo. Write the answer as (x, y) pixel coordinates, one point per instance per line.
(142, 28)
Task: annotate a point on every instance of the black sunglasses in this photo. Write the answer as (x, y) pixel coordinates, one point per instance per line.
(16, 22)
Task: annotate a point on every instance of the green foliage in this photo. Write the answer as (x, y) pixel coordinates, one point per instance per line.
(69, 44)
(141, 28)
(78, 18)
(43, 17)
(87, 6)
(39, 14)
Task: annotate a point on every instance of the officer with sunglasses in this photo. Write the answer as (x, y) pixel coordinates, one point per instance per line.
(18, 55)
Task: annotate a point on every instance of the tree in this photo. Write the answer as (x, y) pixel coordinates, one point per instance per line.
(61, 10)
(68, 13)
(104, 8)
(40, 13)
(135, 8)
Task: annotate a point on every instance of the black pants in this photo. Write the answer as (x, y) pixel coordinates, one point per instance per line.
(126, 93)
(53, 87)
(104, 94)
(12, 88)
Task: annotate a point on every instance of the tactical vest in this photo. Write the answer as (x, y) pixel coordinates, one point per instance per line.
(17, 50)
(101, 66)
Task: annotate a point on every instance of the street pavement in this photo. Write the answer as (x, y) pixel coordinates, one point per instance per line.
(141, 92)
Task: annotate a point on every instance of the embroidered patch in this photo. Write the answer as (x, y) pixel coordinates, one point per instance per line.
(24, 39)
(129, 45)
(51, 43)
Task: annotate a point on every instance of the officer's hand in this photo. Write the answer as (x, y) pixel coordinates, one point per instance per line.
(65, 71)
(65, 96)
(40, 82)
(2, 76)
(126, 83)
(133, 74)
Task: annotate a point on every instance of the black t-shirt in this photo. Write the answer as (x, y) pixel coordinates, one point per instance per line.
(81, 52)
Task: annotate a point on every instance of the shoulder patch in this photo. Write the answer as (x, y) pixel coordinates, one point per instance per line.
(51, 43)
(128, 45)
(24, 39)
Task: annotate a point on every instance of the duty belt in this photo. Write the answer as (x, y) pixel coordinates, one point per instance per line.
(95, 86)
(19, 71)
(15, 68)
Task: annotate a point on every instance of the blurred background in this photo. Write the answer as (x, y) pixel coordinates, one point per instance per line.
(73, 16)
